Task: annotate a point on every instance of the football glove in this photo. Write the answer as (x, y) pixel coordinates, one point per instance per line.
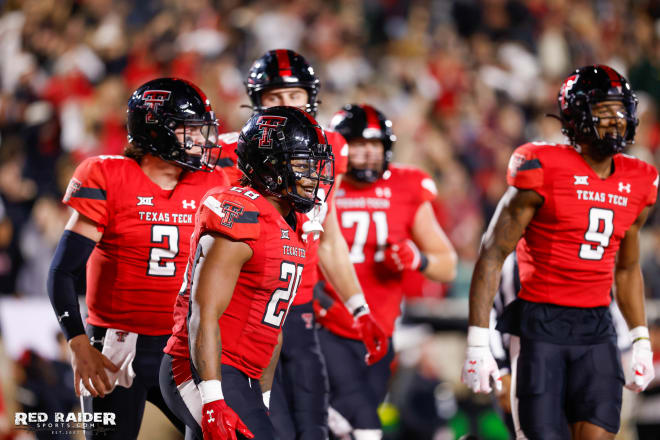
(480, 366)
(374, 338)
(642, 360)
(404, 255)
(219, 421)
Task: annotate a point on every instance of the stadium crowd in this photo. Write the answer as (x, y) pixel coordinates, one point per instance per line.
(464, 82)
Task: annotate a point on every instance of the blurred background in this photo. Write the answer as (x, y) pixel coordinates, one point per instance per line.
(464, 81)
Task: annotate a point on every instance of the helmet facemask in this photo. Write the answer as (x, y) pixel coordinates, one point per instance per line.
(314, 169)
(200, 144)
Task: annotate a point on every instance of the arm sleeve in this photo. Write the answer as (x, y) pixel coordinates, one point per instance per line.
(66, 269)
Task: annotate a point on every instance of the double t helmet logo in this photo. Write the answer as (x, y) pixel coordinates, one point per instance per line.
(152, 99)
(268, 124)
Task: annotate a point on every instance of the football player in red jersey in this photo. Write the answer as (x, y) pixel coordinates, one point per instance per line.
(130, 228)
(244, 271)
(577, 210)
(386, 217)
(300, 391)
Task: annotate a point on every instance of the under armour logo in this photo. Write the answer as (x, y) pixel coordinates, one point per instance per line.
(581, 180)
(308, 318)
(625, 187)
(153, 99)
(148, 201)
(285, 234)
(62, 316)
(121, 336)
(188, 205)
(268, 124)
(93, 340)
(209, 412)
(231, 211)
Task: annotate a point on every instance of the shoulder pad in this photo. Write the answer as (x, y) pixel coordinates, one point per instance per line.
(231, 213)
(87, 189)
(525, 170)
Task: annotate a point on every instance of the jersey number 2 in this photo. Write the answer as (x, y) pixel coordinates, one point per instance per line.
(158, 266)
(274, 314)
(601, 228)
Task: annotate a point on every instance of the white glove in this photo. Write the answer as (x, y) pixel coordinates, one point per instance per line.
(642, 360)
(480, 366)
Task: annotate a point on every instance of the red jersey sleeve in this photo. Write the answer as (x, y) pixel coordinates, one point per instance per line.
(653, 193)
(87, 191)
(427, 189)
(232, 215)
(339, 150)
(228, 158)
(525, 170)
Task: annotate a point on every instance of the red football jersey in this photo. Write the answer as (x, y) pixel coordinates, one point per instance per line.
(340, 151)
(370, 218)
(137, 267)
(567, 253)
(266, 286)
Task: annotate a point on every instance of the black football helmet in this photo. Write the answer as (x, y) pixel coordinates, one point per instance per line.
(585, 87)
(282, 68)
(356, 121)
(269, 144)
(157, 108)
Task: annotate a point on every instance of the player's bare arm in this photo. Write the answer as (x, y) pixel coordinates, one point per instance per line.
(214, 282)
(334, 259)
(432, 241)
(266, 379)
(628, 275)
(514, 212)
(87, 362)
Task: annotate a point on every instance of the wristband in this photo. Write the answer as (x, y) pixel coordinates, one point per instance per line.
(478, 336)
(357, 305)
(423, 262)
(639, 333)
(211, 390)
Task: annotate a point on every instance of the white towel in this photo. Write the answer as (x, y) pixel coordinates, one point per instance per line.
(119, 347)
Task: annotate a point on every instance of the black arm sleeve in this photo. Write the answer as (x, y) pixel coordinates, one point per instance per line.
(65, 271)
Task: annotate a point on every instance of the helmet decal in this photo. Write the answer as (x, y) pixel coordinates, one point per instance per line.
(153, 99)
(268, 124)
(283, 62)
